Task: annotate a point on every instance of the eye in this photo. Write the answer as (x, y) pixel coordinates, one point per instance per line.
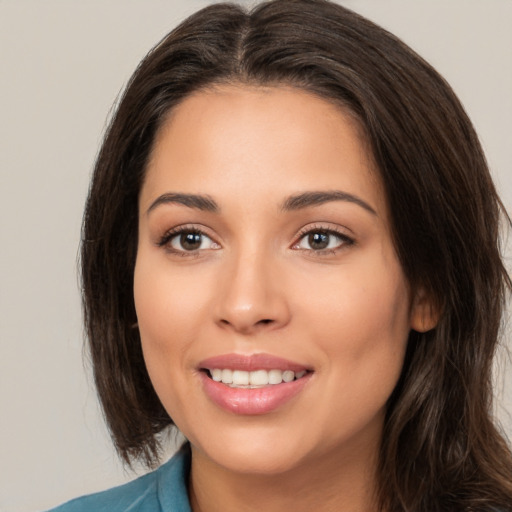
(319, 240)
(186, 240)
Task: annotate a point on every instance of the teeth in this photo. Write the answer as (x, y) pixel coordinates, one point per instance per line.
(275, 377)
(240, 378)
(227, 376)
(257, 378)
(288, 376)
(216, 374)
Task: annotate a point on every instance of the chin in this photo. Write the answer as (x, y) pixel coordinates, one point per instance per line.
(250, 451)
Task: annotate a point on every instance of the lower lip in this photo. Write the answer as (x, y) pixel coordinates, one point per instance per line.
(252, 401)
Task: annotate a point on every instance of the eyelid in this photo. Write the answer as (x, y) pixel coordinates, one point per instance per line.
(170, 234)
(329, 229)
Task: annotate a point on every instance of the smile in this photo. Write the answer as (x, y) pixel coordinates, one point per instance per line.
(252, 384)
(255, 379)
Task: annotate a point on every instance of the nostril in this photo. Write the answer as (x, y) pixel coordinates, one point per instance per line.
(246, 327)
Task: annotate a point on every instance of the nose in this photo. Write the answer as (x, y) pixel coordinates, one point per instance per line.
(252, 296)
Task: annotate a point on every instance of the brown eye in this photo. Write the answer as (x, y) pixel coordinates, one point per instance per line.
(318, 241)
(190, 241)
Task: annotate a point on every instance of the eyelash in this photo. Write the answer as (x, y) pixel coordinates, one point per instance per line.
(344, 240)
(167, 238)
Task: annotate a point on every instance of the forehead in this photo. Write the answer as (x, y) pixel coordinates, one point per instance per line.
(274, 140)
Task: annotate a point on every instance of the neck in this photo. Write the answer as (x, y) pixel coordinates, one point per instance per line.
(333, 482)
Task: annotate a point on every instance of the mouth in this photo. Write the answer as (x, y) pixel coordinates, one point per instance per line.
(254, 384)
(256, 379)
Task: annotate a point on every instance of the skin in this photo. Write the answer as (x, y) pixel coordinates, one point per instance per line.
(256, 284)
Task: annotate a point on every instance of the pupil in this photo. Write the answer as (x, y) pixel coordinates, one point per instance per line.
(190, 241)
(318, 240)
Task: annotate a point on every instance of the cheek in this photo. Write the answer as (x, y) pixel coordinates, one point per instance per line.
(360, 319)
(368, 295)
(167, 307)
(363, 334)
(168, 303)
(161, 314)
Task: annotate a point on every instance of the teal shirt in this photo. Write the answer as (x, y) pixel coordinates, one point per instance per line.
(163, 490)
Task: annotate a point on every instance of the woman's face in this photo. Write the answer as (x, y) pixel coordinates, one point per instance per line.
(265, 260)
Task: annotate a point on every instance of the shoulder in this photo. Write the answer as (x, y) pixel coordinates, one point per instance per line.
(162, 489)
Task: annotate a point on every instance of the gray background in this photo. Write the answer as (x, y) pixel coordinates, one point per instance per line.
(62, 66)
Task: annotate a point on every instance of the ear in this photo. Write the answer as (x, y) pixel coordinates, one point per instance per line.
(424, 313)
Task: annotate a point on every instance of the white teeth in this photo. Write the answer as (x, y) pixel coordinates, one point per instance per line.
(275, 377)
(240, 378)
(254, 379)
(216, 374)
(227, 376)
(259, 378)
(288, 376)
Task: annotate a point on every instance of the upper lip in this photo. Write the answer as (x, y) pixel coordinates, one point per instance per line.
(252, 362)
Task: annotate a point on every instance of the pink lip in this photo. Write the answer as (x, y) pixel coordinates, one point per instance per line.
(251, 363)
(251, 401)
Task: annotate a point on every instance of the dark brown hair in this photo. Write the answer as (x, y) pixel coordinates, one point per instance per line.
(440, 449)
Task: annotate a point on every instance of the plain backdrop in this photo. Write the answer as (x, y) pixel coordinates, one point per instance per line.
(63, 62)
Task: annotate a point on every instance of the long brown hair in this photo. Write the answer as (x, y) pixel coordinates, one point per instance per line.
(440, 449)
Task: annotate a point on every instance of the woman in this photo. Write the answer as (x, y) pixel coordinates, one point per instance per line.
(291, 252)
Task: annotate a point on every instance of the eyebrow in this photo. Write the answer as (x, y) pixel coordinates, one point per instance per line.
(307, 199)
(199, 202)
(296, 202)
